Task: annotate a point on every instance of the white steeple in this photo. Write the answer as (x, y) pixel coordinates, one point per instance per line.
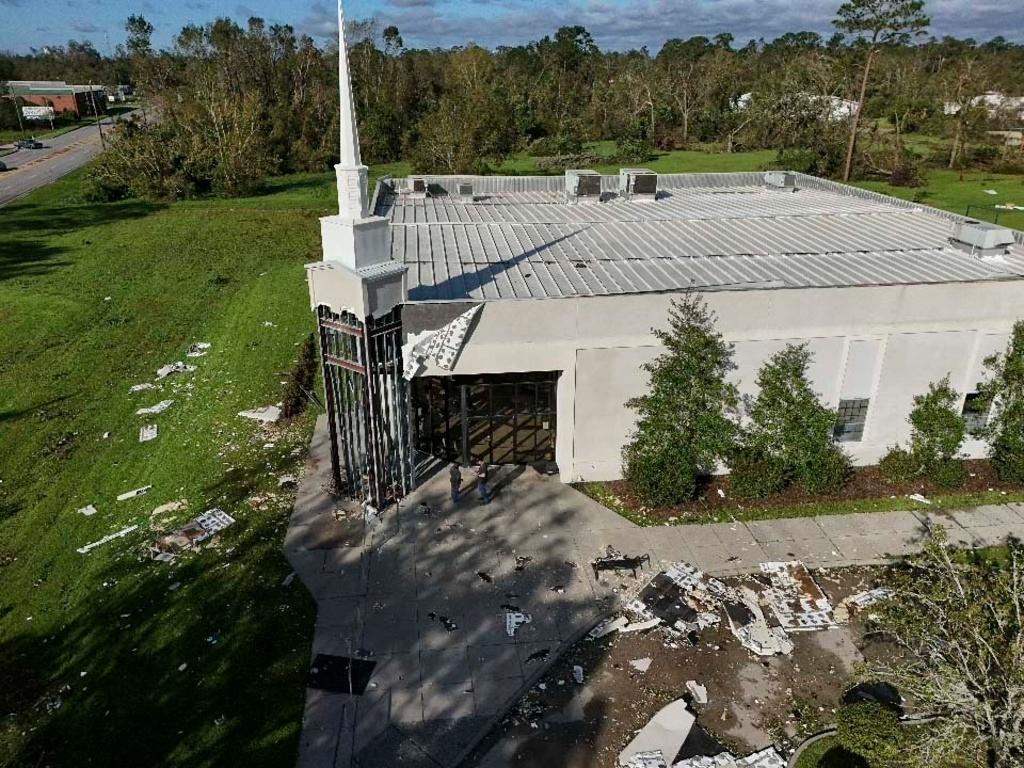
(352, 174)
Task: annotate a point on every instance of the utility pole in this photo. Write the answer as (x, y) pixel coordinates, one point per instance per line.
(17, 109)
(99, 121)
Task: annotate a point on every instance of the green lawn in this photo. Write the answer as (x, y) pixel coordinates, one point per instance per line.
(93, 299)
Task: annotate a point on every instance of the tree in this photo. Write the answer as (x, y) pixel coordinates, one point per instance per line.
(937, 429)
(686, 422)
(958, 622)
(878, 22)
(961, 85)
(789, 424)
(1006, 390)
(874, 732)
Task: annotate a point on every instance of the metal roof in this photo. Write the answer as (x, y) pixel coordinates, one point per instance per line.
(519, 239)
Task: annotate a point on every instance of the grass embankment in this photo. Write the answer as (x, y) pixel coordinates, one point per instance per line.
(110, 659)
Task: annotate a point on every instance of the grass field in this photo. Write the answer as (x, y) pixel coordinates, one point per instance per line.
(109, 659)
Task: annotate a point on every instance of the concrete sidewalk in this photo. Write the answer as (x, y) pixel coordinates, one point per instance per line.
(387, 594)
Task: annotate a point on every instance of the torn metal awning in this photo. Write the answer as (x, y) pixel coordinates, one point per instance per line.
(441, 347)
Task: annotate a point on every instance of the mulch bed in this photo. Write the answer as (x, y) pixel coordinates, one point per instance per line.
(865, 484)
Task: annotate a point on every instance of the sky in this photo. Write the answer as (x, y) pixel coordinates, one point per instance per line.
(615, 24)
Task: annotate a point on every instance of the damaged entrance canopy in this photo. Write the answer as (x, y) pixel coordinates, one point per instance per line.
(442, 347)
(195, 531)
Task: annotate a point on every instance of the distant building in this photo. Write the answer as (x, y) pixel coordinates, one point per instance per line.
(80, 100)
(508, 319)
(835, 108)
(997, 105)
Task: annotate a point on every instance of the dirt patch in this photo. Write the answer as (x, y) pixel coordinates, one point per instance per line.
(752, 701)
(865, 483)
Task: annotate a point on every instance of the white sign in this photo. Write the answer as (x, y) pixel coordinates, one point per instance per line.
(37, 113)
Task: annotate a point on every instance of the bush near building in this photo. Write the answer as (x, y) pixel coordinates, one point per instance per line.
(685, 423)
(1006, 391)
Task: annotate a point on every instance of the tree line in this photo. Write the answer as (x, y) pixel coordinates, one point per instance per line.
(237, 104)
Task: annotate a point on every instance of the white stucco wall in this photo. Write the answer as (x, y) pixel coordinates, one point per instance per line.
(881, 342)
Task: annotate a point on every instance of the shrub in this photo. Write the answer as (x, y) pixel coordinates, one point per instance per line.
(684, 423)
(899, 466)
(1006, 389)
(755, 474)
(557, 144)
(828, 472)
(947, 473)
(300, 381)
(937, 430)
(662, 475)
(872, 731)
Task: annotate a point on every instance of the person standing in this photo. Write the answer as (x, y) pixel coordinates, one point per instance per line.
(455, 476)
(481, 482)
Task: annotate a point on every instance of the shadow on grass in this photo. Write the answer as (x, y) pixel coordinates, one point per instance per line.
(27, 246)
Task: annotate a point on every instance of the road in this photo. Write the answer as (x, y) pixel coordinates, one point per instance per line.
(34, 168)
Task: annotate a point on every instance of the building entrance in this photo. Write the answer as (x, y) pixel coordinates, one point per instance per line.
(498, 419)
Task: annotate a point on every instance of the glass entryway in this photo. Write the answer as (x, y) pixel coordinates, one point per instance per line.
(504, 418)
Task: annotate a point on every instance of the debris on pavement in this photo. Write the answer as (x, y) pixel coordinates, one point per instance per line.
(647, 760)
(198, 349)
(172, 368)
(109, 537)
(135, 492)
(859, 602)
(613, 560)
(607, 626)
(541, 655)
(144, 387)
(198, 530)
(153, 410)
(698, 691)
(766, 758)
(747, 622)
(522, 561)
(577, 674)
(684, 598)
(640, 626)
(268, 414)
(88, 510)
(795, 598)
(514, 620)
(445, 621)
(641, 665)
(663, 735)
(148, 432)
(485, 576)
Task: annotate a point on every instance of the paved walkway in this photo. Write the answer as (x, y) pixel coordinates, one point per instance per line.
(386, 593)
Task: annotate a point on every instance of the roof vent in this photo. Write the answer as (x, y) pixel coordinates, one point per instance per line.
(638, 184)
(466, 191)
(981, 238)
(582, 186)
(417, 187)
(781, 180)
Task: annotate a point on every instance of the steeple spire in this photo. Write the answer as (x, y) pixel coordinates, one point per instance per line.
(352, 174)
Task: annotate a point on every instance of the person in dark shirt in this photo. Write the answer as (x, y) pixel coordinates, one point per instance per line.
(455, 476)
(481, 482)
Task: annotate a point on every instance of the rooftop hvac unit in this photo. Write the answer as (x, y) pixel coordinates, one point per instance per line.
(982, 238)
(638, 184)
(417, 187)
(781, 180)
(582, 186)
(466, 192)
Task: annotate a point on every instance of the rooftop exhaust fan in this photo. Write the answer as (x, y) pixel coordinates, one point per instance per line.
(638, 184)
(466, 191)
(785, 180)
(981, 238)
(417, 187)
(582, 186)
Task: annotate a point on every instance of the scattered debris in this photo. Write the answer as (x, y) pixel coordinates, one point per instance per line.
(795, 598)
(558, 589)
(287, 482)
(522, 561)
(663, 735)
(858, 602)
(640, 626)
(446, 622)
(268, 414)
(613, 560)
(991, 192)
(641, 665)
(577, 674)
(766, 758)
(109, 537)
(268, 324)
(88, 510)
(485, 576)
(919, 498)
(607, 626)
(514, 620)
(172, 368)
(288, 580)
(153, 410)
(541, 655)
(647, 760)
(170, 506)
(198, 349)
(135, 493)
(698, 691)
(147, 433)
(683, 598)
(198, 530)
(183, 667)
(748, 624)
(146, 386)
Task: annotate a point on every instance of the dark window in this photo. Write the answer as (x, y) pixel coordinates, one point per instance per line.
(850, 420)
(976, 410)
